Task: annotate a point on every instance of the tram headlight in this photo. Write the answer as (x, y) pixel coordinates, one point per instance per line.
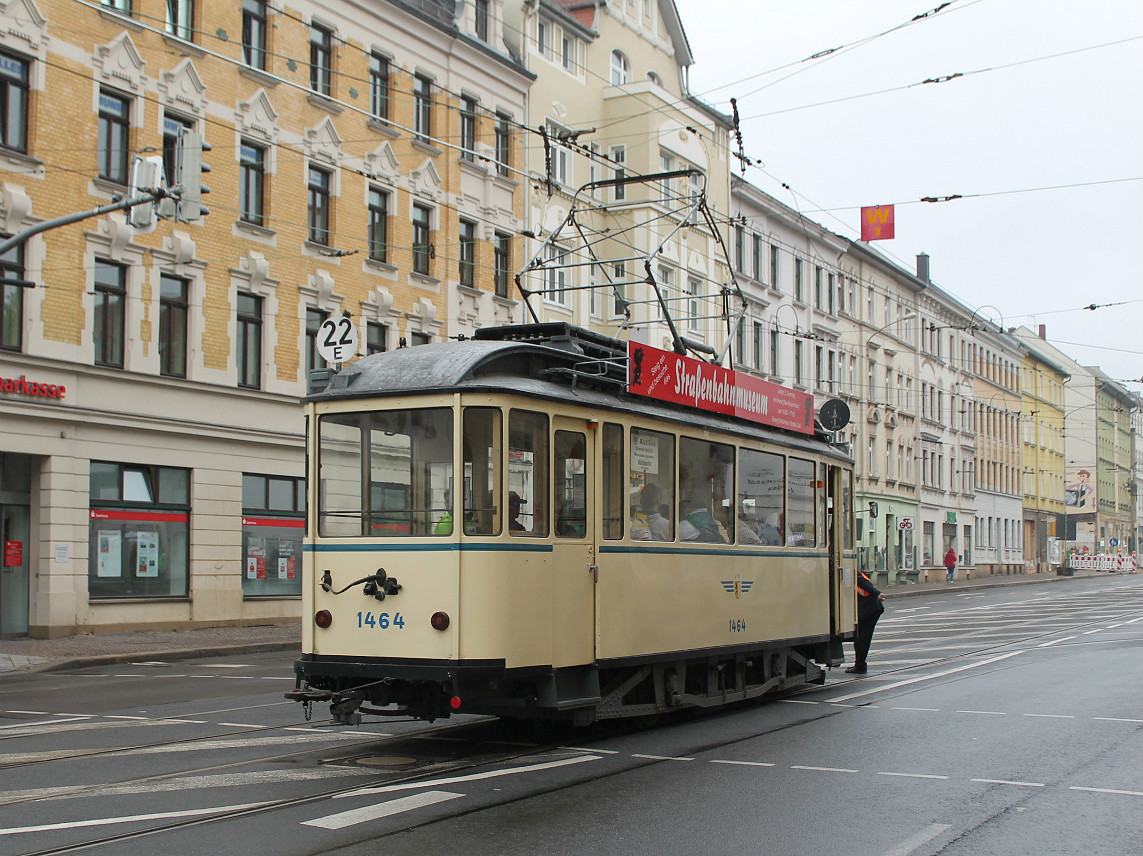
(439, 621)
(323, 618)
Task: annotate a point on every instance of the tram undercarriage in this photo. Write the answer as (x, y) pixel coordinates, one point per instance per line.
(578, 695)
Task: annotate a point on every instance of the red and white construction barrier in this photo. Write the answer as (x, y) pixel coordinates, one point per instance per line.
(1109, 562)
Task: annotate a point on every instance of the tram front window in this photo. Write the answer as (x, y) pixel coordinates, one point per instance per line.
(384, 473)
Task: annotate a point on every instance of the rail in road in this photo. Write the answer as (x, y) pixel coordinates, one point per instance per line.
(67, 776)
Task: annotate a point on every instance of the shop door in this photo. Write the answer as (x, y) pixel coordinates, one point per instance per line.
(573, 568)
(14, 570)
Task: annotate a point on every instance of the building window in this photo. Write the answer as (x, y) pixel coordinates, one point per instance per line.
(774, 344)
(619, 158)
(467, 272)
(123, 6)
(480, 9)
(422, 106)
(273, 523)
(252, 182)
(567, 55)
(799, 373)
(422, 249)
(376, 337)
(314, 320)
(501, 260)
(620, 69)
(180, 19)
(321, 59)
(172, 326)
(467, 128)
(318, 212)
(378, 225)
(694, 288)
(254, 33)
(110, 307)
(379, 85)
(139, 528)
(542, 38)
(13, 102)
(114, 135)
(819, 296)
(555, 277)
(740, 247)
(249, 351)
(503, 143)
(560, 157)
(666, 164)
(12, 299)
(756, 256)
(775, 267)
(173, 129)
(799, 283)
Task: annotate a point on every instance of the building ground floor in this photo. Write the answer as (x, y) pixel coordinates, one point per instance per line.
(1042, 550)
(941, 528)
(887, 543)
(142, 504)
(999, 547)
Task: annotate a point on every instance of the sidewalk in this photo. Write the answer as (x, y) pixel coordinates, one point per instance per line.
(18, 655)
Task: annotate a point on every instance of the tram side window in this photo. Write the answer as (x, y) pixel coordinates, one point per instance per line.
(801, 504)
(706, 491)
(527, 501)
(847, 509)
(481, 449)
(405, 459)
(761, 494)
(652, 485)
(571, 484)
(612, 481)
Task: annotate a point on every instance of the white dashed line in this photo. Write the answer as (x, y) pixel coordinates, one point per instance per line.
(595, 751)
(380, 810)
(921, 709)
(822, 769)
(742, 763)
(1051, 715)
(1114, 719)
(1107, 791)
(1005, 782)
(984, 712)
(797, 701)
(913, 775)
(661, 758)
(912, 845)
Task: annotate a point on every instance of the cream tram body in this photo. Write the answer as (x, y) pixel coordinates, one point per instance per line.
(502, 502)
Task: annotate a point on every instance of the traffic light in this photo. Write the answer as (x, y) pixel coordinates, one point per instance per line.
(190, 169)
(146, 177)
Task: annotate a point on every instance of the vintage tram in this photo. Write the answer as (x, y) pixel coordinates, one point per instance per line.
(545, 522)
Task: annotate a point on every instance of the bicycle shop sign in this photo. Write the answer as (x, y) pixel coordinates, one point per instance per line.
(31, 388)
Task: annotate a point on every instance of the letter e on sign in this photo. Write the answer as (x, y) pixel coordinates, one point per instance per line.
(337, 340)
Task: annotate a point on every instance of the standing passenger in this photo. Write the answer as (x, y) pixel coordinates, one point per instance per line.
(869, 609)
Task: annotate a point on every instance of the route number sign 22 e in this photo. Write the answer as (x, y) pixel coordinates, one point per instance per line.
(337, 340)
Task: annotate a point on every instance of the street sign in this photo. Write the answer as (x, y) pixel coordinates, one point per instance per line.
(905, 523)
(337, 340)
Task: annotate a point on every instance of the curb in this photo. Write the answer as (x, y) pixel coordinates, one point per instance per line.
(81, 662)
(1031, 579)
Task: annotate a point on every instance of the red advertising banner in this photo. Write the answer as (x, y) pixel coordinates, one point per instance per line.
(139, 516)
(13, 554)
(684, 380)
(877, 223)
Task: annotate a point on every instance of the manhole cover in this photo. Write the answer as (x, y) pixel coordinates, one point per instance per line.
(384, 761)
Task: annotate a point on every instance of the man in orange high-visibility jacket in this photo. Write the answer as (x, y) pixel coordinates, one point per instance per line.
(869, 609)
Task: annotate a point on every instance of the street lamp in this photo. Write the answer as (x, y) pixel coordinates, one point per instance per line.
(907, 317)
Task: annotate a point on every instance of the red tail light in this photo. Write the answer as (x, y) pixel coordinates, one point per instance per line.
(439, 621)
(323, 618)
(454, 702)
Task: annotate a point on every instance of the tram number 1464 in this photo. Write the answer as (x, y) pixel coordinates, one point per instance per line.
(381, 622)
(738, 625)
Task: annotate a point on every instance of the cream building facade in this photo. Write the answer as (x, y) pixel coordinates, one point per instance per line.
(364, 162)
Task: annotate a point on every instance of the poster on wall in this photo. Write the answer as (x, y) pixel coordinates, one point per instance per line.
(1079, 495)
(147, 554)
(255, 558)
(287, 561)
(110, 560)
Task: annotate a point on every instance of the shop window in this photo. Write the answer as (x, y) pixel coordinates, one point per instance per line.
(761, 494)
(652, 485)
(706, 491)
(800, 504)
(139, 531)
(527, 500)
(273, 524)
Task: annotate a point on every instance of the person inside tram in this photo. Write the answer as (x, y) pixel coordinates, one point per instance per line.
(444, 525)
(658, 526)
(771, 531)
(697, 523)
(514, 506)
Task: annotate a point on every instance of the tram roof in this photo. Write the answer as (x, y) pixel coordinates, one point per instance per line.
(532, 368)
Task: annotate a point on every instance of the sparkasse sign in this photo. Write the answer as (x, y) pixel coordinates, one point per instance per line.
(685, 380)
(22, 386)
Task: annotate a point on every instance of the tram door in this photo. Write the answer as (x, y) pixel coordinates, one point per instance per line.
(842, 561)
(573, 560)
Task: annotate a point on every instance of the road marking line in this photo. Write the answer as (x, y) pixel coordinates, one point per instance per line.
(1114, 719)
(985, 712)
(130, 718)
(1005, 782)
(1051, 715)
(385, 809)
(927, 677)
(242, 725)
(797, 701)
(921, 709)
(660, 757)
(132, 818)
(911, 845)
(913, 775)
(1107, 791)
(822, 769)
(597, 751)
(32, 712)
(743, 763)
(1089, 632)
(475, 777)
(1055, 642)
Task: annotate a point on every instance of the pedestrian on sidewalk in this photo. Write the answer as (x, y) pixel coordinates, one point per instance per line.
(869, 609)
(950, 564)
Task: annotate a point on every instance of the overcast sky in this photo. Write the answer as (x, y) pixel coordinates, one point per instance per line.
(1028, 258)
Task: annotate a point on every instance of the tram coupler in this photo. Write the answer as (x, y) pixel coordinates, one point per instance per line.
(309, 695)
(345, 710)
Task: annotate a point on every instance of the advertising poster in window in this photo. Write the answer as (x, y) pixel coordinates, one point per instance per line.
(256, 558)
(287, 560)
(147, 554)
(644, 454)
(110, 560)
